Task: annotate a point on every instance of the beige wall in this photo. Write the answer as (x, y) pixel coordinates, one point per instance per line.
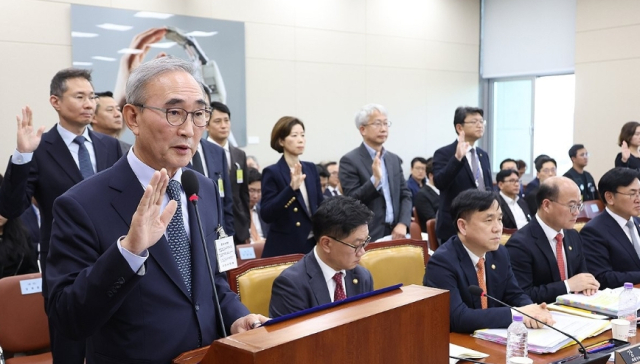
(319, 60)
(607, 76)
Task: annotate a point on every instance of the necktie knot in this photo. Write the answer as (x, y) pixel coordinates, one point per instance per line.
(480, 264)
(337, 277)
(79, 140)
(559, 238)
(173, 190)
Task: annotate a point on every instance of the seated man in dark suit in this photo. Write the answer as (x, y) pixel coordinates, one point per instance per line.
(547, 255)
(427, 199)
(460, 166)
(330, 272)
(418, 176)
(515, 213)
(461, 261)
(546, 167)
(611, 239)
(534, 183)
(259, 228)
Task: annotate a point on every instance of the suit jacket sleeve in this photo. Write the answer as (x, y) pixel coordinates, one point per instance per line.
(272, 204)
(441, 274)
(597, 254)
(425, 209)
(17, 188)
(445, 168)
(523, 268)
(350, 181)
(406, 199)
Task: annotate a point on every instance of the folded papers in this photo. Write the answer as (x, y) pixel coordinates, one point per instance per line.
(465, 353)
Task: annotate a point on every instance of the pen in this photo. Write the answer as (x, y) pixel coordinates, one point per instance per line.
(601, 348)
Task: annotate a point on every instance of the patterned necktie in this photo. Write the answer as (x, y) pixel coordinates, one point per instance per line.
(636, 245)
(339, 294)
(177, 235)
(475, 164)
(560, 257)
(481, 282)
(86, 169)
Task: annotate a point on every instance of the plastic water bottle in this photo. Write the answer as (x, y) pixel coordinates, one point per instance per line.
(627, 307)
(517, 339)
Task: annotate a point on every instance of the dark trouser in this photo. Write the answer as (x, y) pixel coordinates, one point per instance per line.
(63, 349)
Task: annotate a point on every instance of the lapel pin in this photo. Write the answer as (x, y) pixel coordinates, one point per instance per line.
(493, 266)
(570, 248)
(355, 281)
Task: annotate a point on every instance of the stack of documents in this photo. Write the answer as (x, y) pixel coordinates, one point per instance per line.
(605, 301)
(464, 353)
(546, 340)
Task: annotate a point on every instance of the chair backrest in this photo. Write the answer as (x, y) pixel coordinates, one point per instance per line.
(23, 323)
(592, 209)
(506, 235)
(414, 231)
(257, 249)
(396, 261)
(431, 233)
(252, 281)
(415, 216)
(580, 223)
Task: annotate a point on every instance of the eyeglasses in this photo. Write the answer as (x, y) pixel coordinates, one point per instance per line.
(573, 207)
(378, 124)
(583, 155)
(357, 248)
(477, 122)
(177, 116)
(548, 170)
(255, 191)
(511, 181)
(633, 194)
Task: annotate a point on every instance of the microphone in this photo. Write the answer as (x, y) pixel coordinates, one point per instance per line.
(479, 292)
(191, 187)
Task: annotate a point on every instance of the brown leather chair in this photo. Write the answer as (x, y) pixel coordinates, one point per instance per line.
(252, 281)
(414, 231)
(415, 217)
(23, 323)
(257, 249)
(580, 222)
(592, 209)
(396, 261)
(506, 235)
(431, 233)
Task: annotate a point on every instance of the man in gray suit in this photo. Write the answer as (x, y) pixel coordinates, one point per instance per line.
(330, 272)
(373, 175)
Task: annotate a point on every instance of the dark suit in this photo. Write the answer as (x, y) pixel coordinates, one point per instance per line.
(610, 255)
(451, 268)
(427, 202)
(51, 172)
(508, 220)
(30, 221)
(452, 176)
(241, 217)
(217, 167)
(532, 187)
(530, 199)
(95, 295)
(535, 266)
(303, 286)
(285, 210)
(263, 225)
(355, 177)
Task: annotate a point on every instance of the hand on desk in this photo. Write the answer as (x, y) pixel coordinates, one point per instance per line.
(538, 311)
(584, 283)
(247, 323)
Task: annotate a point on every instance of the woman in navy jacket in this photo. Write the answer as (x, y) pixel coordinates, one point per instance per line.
(291, 192)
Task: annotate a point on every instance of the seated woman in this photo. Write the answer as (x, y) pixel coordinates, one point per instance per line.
(16, 255)
(291, 192)
(629, 141)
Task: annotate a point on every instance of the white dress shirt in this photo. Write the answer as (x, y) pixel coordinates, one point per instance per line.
(328, 273)
(516, 210)
(623, 224)
(551, 237)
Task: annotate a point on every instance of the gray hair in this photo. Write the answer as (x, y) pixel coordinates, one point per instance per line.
(362, 116)
(137, 82)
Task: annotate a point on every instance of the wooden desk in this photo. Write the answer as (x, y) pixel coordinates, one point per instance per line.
(497, 352)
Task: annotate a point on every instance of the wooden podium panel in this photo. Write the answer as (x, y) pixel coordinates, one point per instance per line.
(408, 325)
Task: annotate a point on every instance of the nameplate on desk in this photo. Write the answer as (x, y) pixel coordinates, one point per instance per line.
(247, 253)
(628, 355)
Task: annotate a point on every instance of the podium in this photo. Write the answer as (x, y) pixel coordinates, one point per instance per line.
(407, 325)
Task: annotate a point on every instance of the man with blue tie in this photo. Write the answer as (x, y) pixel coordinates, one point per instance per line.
(330, 272)
(45, 165)
(127, 269)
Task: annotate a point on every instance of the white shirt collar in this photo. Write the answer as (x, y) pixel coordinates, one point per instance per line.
(225, 146)
(474, 258)
(68, 136)
(619, 219)
(548, 231)
(508, 199)
(143, 172)
(433, 187)
(327, 271)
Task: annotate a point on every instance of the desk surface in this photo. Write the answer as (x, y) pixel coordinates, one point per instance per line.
(497, 352)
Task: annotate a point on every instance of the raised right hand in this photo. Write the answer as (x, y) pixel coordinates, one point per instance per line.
(626, 153)
(149, 223)
(297, 178)
(376, 167)
(463, 145)
(28, 140)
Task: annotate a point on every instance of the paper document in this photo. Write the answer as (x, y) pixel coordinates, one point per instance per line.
(462, 352)
(546, 340)
(605, 301)
(576, 311)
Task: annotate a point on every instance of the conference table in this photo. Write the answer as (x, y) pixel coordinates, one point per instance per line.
(497, 352)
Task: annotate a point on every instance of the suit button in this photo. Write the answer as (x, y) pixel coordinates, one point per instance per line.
(295, 209)
(293, 198)
(110, 293)
(197, 307)
(121, 280)
(298, 224)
